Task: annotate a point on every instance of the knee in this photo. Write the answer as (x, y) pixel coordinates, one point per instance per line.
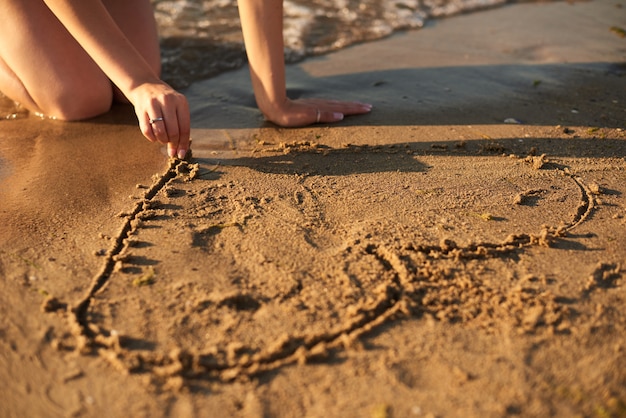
(78, 105)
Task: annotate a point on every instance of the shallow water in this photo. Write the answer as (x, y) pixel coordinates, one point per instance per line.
(201, 38)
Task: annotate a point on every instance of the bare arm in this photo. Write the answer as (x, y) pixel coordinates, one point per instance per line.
(262, 25)
(91, 25)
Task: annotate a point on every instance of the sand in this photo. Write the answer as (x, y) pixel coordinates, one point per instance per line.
(457, 252)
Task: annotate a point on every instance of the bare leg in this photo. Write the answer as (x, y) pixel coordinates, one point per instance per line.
(47, 71)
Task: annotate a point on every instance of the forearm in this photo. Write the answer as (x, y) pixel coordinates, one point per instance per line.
(262, 26)
(89, 22)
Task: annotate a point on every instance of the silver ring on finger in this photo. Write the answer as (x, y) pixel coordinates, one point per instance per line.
(152, 121)
(319, 114)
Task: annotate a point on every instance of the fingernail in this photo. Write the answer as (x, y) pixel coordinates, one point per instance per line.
(171, 152)
(182, 153)
(338, 116)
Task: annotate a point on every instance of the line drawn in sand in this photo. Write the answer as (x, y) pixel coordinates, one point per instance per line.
(412, 285)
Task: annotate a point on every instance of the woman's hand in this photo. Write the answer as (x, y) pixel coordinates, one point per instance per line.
(302, 112)
(163, 115)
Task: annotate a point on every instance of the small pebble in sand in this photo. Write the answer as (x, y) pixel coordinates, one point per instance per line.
(595, 188)
(537, 162)
(618, 31)
(145, 279)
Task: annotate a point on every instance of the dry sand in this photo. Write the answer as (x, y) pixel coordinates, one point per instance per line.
(432, 259)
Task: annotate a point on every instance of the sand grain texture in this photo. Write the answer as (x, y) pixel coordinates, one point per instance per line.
(458, 252)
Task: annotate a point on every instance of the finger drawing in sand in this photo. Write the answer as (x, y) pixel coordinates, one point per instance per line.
(71, 60)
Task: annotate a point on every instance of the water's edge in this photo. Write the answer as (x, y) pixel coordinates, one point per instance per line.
(202, 38)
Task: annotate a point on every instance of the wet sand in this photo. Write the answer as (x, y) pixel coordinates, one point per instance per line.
(457, 252)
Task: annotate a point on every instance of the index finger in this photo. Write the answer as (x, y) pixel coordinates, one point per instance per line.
(184, 129)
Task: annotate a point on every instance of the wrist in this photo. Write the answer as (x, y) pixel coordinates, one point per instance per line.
(274, 110)
(148, 86)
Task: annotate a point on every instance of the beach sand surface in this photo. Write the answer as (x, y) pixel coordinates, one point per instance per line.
(460, 251)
